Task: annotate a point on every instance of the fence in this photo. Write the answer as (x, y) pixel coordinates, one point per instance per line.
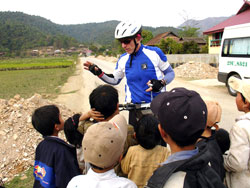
(178, 59)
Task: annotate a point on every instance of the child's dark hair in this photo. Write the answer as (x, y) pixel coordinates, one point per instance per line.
(104, 99)
(243, 98)
(223, 140)
(73, 136)
(147, 133)
(45, 118)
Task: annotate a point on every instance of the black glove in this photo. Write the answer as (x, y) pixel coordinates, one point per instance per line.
(157, 85)
(92, 68)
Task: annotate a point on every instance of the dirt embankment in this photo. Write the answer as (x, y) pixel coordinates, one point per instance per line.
(18, 138)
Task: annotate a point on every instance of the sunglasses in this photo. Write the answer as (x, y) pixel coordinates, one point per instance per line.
(126, 41)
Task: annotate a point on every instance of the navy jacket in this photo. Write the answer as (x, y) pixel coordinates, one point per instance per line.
(55, 163)
(215, 155)
(198, 173)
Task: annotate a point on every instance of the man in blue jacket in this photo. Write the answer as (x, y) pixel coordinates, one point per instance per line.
(146, 69)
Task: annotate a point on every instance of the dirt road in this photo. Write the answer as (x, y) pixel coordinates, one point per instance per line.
(77, 89)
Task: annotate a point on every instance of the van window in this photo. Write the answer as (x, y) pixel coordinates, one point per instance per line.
(238, 47)
(225, 47)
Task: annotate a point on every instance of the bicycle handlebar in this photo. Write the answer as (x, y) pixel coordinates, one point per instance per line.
(131, 106)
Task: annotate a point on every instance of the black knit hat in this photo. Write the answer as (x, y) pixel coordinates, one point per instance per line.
(182, 113)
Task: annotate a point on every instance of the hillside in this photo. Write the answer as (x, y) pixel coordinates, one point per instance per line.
(203, 24)
(38, 22)
(20, 31)
(102, 33)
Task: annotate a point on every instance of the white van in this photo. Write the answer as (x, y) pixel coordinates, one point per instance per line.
(234, 58)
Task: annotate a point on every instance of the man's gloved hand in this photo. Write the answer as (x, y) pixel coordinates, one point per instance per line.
(157, 85)
(95, 70)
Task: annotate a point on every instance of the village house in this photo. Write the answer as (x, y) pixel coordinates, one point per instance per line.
(34, 52)
(157, 39)
(199, 40)
(215, 33)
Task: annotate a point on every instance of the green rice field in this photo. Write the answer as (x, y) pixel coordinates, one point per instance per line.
(35, 63)
(35, 75)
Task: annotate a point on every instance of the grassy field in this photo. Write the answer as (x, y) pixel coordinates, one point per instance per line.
(35, 63)
(46, 80)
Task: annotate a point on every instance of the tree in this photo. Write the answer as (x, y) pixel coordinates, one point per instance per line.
(170, 46)
(190, 48)
(188, 31)
(204, 49)
(146, 36)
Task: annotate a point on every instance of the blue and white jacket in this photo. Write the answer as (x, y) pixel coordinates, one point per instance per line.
(148, 63)
(55, 163)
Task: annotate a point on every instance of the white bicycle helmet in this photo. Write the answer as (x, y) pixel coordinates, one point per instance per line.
(127, 29)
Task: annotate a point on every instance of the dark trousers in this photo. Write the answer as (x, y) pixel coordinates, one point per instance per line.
(132, 119)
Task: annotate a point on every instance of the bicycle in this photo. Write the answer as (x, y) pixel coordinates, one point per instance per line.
(136, 111)
(132, 106)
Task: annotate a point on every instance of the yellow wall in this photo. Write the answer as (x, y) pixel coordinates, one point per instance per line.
(213, 49)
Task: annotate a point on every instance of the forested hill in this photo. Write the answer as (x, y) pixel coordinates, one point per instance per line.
(37, 22)
(100, 33)
(20, 31)
(103, 33)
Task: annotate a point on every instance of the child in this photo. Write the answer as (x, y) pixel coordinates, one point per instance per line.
(213, 137)
(103, 145)
(183, 115)
(74, 137)
(55, 160)
(237, 160)
(142, 160)
(104, 100)
(74, 134)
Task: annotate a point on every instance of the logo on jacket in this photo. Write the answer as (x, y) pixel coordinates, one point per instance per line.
(39, 171)
(144, 66)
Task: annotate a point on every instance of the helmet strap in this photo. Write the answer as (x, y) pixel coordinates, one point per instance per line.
(134, 52)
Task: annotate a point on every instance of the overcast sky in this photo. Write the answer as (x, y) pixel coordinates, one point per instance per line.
(153, 13)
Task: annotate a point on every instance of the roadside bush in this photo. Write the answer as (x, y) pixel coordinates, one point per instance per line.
(170, 46)
(190, 48)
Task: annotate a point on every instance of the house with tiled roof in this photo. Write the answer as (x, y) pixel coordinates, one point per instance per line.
(199, 40)
(157, 39)
(215, 33)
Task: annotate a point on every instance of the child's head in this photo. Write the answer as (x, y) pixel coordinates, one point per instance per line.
(243, 93)
(103, 142)
(47, 120)
(213, 113)
(72, 134)
(104, 99)
(147, 132)
(182, 114)
(213, 117)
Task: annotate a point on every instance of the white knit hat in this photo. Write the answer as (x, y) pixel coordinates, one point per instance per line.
(242, 86)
